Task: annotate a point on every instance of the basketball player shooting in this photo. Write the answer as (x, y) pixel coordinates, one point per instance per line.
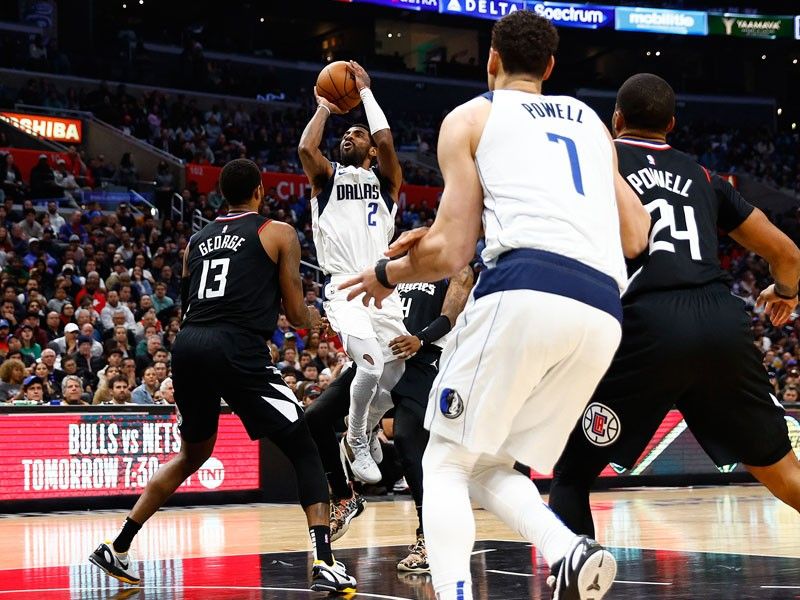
(353, 207)
(540, 173)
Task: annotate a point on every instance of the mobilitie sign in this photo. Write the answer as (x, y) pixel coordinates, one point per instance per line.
(583, 16)
(483, 9)
(659, 20)
(752, 26)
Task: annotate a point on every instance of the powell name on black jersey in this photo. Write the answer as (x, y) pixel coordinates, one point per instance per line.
(688, 206)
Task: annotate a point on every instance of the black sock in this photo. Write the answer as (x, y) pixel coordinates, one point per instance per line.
(419, 516)
(321, 542)
(340, 487)
(125, 537)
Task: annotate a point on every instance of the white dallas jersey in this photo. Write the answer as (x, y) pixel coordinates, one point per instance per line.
(352, 219)
(546, 169)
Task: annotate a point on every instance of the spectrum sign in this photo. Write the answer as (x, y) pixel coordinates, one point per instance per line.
(583, 16)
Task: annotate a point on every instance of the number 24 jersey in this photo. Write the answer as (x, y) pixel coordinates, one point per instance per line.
(688, 205)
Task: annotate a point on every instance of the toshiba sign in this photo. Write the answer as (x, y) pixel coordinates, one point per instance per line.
(57, 129)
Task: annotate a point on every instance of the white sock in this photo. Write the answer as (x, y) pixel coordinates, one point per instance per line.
(447, 515)
(514, 499)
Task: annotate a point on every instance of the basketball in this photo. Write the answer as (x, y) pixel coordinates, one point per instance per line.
(338, 86)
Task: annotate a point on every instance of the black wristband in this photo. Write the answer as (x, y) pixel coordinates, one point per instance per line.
(184, 293)
(438, 328)
(785, 297)
(380, 273)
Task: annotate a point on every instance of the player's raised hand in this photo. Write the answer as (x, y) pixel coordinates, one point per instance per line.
(359, 74)
(335, 110)
(366, 283)
(777, 308)
(405, 346)
(406, 241)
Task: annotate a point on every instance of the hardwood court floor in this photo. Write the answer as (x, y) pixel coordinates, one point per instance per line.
(728, 542)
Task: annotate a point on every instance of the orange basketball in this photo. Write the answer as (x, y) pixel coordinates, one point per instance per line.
(338, 86)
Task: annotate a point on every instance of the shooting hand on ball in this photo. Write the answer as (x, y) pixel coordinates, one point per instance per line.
(359, 74)
(332, 108)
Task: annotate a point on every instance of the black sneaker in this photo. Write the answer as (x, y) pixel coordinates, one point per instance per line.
(114, 566)
(585, 573)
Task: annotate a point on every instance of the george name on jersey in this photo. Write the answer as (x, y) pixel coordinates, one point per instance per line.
(648, 178)
(427, 288)
(358, 191)
(221, 242)
(541, 110)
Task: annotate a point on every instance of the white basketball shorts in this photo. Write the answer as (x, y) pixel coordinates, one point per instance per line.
(353, 319)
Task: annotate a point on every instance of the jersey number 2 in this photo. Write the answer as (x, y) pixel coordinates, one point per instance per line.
(373, 210)
(572, 153)
(218, 268)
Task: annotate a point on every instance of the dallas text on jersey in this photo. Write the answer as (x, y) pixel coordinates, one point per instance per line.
(358, 191)
(648, 178)
(219, 242)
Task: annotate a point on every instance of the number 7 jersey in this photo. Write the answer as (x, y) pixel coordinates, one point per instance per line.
(687, 205)
(352, 219)
(546, 168)
(232, 279)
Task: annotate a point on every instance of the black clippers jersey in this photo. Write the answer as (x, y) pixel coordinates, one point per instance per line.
(232, 279)
(422, 303)
(688, 206)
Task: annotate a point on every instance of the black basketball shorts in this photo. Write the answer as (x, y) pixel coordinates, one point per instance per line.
(224, 362)
(691, 349)
(415, 385)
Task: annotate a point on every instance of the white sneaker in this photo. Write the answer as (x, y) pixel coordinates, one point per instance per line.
(375, 449)
(360, 461)
(114, 565)
(327, 578)
(400, 486)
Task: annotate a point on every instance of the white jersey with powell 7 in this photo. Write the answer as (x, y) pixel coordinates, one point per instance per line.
(352, 219)
(550, 299)
(544, 163)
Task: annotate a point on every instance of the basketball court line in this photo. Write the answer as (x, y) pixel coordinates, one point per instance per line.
(197, 587)
(615, 581)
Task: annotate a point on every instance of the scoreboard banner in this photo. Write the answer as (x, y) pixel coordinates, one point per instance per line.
(751, 26)
(77, 454)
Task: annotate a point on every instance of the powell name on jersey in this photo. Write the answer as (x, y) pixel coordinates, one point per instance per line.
(688, 205)
(352, 219)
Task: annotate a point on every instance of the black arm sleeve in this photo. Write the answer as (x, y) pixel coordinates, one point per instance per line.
(733, 208)
(438, 328)
(184, 293)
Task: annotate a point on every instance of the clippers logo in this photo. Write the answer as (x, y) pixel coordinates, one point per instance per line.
(451, 404)
(212, 473)
(600, 424)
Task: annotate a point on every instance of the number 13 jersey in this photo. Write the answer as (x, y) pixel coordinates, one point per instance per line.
(352, 219)
(546, 169)
(688, 206)
(232, 280)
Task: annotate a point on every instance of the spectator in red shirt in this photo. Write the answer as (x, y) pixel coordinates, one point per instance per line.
(92, 289)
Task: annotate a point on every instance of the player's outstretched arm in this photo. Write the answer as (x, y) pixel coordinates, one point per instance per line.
(457, 293)
(282, 246)
(758, 235)
(634, 220)
(388, 164)
(318, 169)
